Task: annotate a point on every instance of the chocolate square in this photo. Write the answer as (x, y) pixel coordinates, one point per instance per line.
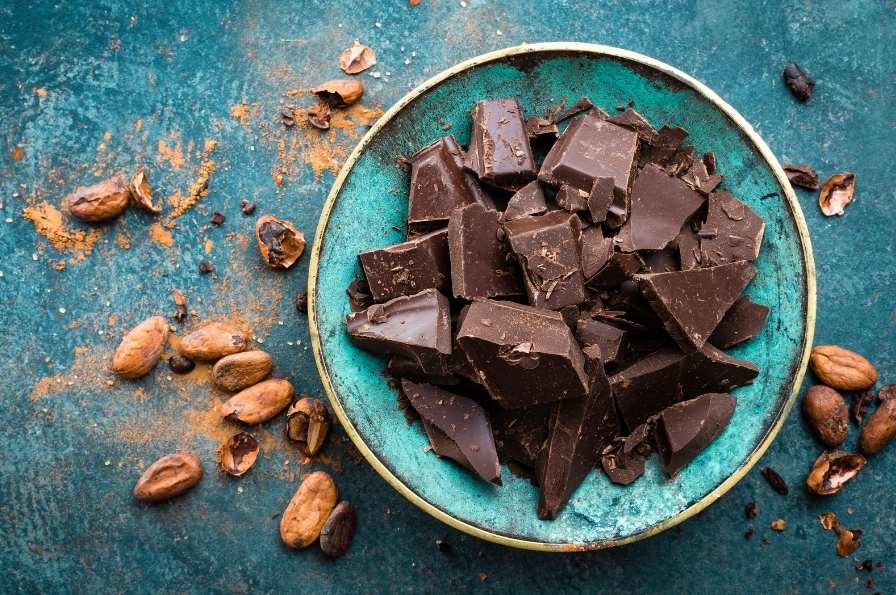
(481, 265)
(500, 153)
(408, 268)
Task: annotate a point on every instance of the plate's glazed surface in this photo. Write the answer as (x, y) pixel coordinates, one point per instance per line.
(367, 208)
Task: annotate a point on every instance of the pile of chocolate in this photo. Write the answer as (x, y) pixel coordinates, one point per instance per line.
(570, 315)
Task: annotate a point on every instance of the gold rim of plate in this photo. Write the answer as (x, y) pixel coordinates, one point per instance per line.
(793, 204)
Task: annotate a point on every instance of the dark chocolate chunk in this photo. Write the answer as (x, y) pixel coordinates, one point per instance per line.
(528, 200)
(802, 175)
(712, 370)
(541, 130)
(798, 81)
(466, 435)
(359, 297)
(685, 429)
(520, 433)
(577, 433)
(692, 303)
(417, 327)
(732, 231)
(480, 263)
(524, 356)
(571, 199)
(582, 105)
(664, 149)
(547, 249)
(620, 267)
(680, 162)
(499, 146)
(699, 178)
(603, 204)
(439, 185)
(634, 121)
(709, 162)
(611, 340)
(410, 267)
(660, 205)
(588, 149)
(596, 250)
(741, 322)
(623, 459)
(688, 245)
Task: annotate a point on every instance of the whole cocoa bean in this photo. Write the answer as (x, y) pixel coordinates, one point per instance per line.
(260, 402)
(308, 510)
(827, 414)
(239, 370)
(880, 427)
(140, 349)
(170, 476)
(841, 368)
(337, 533)
(100, 202)
(213, 341)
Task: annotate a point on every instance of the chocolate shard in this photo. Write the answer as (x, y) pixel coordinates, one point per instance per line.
(408, 268)
(623, 459)
(688, 245)
(692, 303)
(481, 265)
(417, 327)
(524, 356)
(439, 185)
(712, 370)
(520, 433)
(571, 199)
(680, 162)
(664, 149)
(685, 429)
(528, 200)
(634, 121)
(500, 153)
(732, 231)
(578, 431)
(596, 250)
(588, 149)
(541, 130)
(647, 386)
(620, 267)
(709, 161)
(660, 206)
(611, 340)
(466, 435)
(699, 178)
(741, 322)
(604, 205)
(583, 104)
(547, 250)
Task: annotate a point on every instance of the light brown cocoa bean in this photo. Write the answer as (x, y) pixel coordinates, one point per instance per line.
(307, 424)
(239, 370)
(170, 476)
(213, 341)
(141, 348)
(827, 414)
(259, 402)
(841, 368)
(308, 510)
(880, 427)
(100, 202)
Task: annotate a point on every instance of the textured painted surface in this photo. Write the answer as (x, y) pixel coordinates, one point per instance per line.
(67, 517)
(372, 205)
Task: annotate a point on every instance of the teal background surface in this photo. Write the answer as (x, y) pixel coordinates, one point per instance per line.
(74, 447)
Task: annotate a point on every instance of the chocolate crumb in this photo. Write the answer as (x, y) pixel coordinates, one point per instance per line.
(864, 566)
(247, 207)
(751, 510)
(799, 81)
(444, 547)
(302, 302)
(217, 218)
(206, 266)
(775, 481)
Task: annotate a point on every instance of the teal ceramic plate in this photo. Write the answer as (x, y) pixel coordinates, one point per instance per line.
(368, 205)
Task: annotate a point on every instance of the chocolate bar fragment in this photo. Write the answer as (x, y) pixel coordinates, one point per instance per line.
(578, 431)
(520, 433)
(733, 231)
(604, 205)
(660, 205)
(464, 432)
(620, 267)
(439, 185)
(611, 340)
(571, 199)
(711, 370)
(524, 356)
(499, 145)
(481, 265)
(588, 149)
(692, 303)
(741, 322)
(541, 130)
(528, 200)
(699, 178)
(662, 151)
(623, 459)
(685, 429)
(408, 268)
(547, 250)
(417, 327)
(634, 121)
(596, 250)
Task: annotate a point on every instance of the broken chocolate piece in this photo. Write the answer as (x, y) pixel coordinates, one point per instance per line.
(571, 199)
(685, 429)
(674, 297)
(547, 249)
(604, 205)
(660, 205)
(732, 231)
(480, 263)
(417, 327)
(634, 121)
(410, 267)
(798, 81)
(712, 370)
(709, 162)
(623, 460)
(664, 149)
(499, 146)
(611, 340)
(578, 431)
(582, 105)
(588, 149)
(596, 250)
(620, 267)
(528, 200)
(688, 244)
(462, 422)
(742, 322)
(359, 297)
(802, 175)
(520, 433)
(439, 185)
(699, 178)
(541, 130)
(524, 356)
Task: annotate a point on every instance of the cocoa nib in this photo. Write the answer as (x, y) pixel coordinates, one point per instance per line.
(279, 242)
(799, 81)
(357, 58)
(180, 303)
(832, 470)
(206, 266)
(302, 302)
(775, 481)
(180, 364)
(336, 534)
(217, 218)
(848, 540)
(801, 175)
(247, 207)
(288, 117)
(751, 510)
